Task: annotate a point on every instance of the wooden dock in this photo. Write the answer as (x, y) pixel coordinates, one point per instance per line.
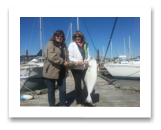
(104, 95)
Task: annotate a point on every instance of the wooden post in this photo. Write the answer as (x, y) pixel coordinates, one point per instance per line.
(97, 55)
(27, 59)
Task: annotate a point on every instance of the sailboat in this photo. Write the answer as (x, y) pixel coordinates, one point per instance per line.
(131, 60)
(124, 69)
(31, 77)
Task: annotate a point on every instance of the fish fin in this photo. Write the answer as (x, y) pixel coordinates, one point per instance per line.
(89, 99)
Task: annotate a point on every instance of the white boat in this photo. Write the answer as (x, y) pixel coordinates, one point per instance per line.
(31, 76)
(33, 71)
(123, 68)
(125, 71)
(123, 60)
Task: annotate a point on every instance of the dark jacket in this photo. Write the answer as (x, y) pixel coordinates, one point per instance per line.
(53, 60)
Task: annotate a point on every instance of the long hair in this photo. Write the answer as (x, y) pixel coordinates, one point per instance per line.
(80, 34)
(58, 32)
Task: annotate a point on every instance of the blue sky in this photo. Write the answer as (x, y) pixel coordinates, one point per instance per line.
(100, 29)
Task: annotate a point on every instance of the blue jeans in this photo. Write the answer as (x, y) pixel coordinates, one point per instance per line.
(51, 90)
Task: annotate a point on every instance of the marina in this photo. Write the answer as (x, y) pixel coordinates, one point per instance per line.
(116, 77)
(121, 93)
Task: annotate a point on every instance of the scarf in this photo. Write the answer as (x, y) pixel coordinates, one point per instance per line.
(80, 44)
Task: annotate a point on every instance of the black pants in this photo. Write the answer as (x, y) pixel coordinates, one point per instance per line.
(78, 76)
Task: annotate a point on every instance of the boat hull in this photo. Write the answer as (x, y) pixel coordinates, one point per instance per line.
(32, 84)
(35, 80)
(124, 71)
(32, 71)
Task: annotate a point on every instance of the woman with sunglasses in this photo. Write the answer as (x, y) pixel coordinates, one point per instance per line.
(79, 52)
(56, 64)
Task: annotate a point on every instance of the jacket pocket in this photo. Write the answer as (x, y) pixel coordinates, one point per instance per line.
(52, 69)
(46, 67)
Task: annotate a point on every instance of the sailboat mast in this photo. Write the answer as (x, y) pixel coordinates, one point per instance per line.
(129, 47)
(77, 24)
(103, 51)
(111, 49)
(71, 32)
(40, 35)
(124, 47)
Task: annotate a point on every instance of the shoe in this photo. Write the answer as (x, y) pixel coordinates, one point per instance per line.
(89, 105)
(63, 106)
(79, 105)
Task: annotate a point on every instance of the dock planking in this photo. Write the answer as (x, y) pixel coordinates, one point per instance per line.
(104, 95)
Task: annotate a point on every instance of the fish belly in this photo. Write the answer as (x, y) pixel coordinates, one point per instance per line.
(91, 79)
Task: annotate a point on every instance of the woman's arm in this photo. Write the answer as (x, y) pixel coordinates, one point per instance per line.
(89, 56)
(71, 53)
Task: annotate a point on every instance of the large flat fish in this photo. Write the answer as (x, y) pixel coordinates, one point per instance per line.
(91, 79)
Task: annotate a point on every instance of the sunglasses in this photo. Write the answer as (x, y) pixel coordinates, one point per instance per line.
(59, 36)
(77, 36)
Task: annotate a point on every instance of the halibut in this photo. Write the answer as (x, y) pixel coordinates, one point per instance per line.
(91, 79)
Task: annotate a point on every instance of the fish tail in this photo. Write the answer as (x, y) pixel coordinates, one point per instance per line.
(89, 99)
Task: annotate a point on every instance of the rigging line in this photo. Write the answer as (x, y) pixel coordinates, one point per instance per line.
(127, 46)
(134, 37)
(68, 32)
(37, 42)
(115, 49)
(43, 45)
(89, 35)
(128, 75)
(132, 44)
(69, 28)
(50, 25)
(41, 33)
(31, 34)
(71, 20)
(111, 37)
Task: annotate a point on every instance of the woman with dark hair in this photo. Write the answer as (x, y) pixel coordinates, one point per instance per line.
(56, 64)
(79, 52)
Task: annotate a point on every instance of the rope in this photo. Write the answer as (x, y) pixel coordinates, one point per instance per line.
(130, 75)
(43, 39)
(110, 37)
(90, 36)
(115, 49)
(29, 73)
(68, 32)
(69, 28)
(127, 47)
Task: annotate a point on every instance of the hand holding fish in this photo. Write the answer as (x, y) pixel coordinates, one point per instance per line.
(81, 63)
(78, 63)
(85, 63)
